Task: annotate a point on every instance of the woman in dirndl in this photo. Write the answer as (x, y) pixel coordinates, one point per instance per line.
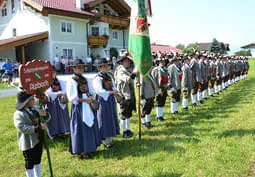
(85, 137)
(59, 123)
(107, 114)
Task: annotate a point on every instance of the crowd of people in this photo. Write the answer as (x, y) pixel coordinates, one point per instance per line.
(8, 70)
(93, 119)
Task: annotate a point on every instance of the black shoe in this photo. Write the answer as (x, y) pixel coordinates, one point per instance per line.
(201, 102)
(148, 125)
(144, 124)
(110, 145)
(129, 133)
(205, 98)
(194, 105)
(84, 156)
(160, 119)
(211, 96)
(185, 109)
(176, 112)
(125, 134)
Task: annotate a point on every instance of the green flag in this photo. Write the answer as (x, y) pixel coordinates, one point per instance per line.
(139, 40)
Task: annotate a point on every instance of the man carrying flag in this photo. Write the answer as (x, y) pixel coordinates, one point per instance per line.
(139, 43)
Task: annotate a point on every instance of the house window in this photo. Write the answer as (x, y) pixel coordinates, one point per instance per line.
(105, 31)
(66, 27)
(13, 6)
(115, 35)
(68, 53)
(14, 32)
(4, 10)
(95, 31)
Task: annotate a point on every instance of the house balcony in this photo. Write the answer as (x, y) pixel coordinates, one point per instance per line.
(115, 22)
(97, 41)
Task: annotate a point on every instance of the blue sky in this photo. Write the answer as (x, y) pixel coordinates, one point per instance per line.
(189, 21)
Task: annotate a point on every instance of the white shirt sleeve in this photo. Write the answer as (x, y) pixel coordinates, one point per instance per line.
(71, 91)
(98, 86)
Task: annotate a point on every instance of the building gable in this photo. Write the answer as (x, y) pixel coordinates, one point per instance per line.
(119, 6)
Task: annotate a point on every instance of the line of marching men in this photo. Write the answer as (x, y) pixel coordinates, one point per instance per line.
(93, 119)
(198, 75)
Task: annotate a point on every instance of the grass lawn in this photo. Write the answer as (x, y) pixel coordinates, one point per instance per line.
(4, 85)
(215, 139)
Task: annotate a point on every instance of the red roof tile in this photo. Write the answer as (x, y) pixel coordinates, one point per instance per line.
(88, 1)
(163, 48)
(66, 5)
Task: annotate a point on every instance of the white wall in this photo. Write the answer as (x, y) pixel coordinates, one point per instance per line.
(26, 21)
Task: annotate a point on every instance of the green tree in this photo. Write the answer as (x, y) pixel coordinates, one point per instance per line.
(180, 46)
(243, 53)
(215, 46)
(191, 48)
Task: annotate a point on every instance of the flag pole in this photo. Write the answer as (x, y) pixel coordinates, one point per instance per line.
(139, 107)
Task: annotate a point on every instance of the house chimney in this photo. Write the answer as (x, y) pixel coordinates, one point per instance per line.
(79, 4)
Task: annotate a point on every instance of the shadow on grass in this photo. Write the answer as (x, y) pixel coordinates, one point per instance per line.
(237, 132)
(114, 175)
(139, 148)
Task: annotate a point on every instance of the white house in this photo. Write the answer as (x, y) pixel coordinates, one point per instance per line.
(42, 29)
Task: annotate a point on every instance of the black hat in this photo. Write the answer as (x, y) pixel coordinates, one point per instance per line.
(124, 55)
(101, 62)
(22, 99)
(54, 68)
(78, 62)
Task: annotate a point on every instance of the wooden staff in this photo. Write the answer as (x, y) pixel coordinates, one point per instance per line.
(139, 106)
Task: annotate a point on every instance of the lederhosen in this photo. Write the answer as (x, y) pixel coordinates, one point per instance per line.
(211, 77)
(185, 91)
(33, 156)
(161, 98)
(147, 108)
(176, 95)
(194, 81)
(127, 106)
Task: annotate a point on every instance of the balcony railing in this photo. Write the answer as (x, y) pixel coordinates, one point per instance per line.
(115, 22)
(97, 41)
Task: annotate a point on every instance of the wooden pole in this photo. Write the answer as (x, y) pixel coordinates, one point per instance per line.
(139, 106)
(23, 60)
(46, 145)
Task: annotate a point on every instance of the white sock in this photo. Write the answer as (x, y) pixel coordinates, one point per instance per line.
(143, 120)
(161, 111)
(176, 106)
(128, 124)
(158, 111)
(29, 172)
(123, 125)
(172, 107)
(204, 94)
(147, 118)
(209, 91)
(37, 170)
(185, 102)
(222, 84)
(193, 99)
(199, 96)
(219, 88)
(216, 89)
